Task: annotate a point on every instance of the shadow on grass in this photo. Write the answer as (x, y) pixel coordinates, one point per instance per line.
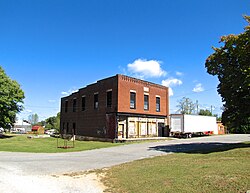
(2, 136)
(199, 148)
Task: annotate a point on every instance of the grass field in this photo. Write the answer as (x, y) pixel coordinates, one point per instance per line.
(221, 170)
(20, 143)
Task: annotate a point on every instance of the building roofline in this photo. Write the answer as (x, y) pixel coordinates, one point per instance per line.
(129, 78)
(125, 77)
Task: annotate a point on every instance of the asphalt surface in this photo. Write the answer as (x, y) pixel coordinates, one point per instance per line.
(60, 163)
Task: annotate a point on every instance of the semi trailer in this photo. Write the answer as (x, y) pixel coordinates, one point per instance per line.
(183, 125)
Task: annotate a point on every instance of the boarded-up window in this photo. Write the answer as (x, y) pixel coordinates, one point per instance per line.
(143, 128)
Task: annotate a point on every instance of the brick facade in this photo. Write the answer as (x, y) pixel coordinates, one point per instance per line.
(114, 118)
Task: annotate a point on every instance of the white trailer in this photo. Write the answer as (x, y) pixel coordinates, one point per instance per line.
(187, 125)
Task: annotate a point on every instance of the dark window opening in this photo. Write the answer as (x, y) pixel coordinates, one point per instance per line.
(158, 104)
(109, 98)
(83, 103)
(132, 100)
(67, 129)
(66, 106)
(74, 129)
(74, 105)
(146, 103)
(96, 101)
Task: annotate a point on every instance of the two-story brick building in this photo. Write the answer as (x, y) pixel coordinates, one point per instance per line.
(119, 107)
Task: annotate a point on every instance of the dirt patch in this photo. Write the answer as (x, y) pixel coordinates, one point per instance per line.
(83, 183)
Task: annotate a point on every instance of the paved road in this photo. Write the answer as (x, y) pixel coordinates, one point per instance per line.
(59, 163)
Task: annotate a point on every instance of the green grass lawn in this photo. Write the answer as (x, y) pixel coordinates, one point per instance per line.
(20, 143)
(221, 170)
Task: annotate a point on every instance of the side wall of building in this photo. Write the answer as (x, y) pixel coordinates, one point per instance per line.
(90, 121)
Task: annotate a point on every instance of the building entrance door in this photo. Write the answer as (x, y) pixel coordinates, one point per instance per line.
(121, 131)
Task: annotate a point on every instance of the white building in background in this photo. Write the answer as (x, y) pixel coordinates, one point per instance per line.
(21, 126)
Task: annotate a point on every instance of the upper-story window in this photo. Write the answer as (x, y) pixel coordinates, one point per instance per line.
(66, 106)
(96, 101)
(146, 102)
(132, 100)
(158, 104)
(109, 98)
(83, 103)
(74, 105)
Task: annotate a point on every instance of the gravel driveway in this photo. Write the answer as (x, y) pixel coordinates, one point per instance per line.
(43, 172)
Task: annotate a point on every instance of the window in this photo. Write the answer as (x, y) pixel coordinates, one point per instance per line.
(63, 129)
(74, 129)
(132, 100)
(74, 105)
(146, 104)
(109, 98)
(83, 103)
(66, 106)
(67, 129)
(95, 101)
(158, 104)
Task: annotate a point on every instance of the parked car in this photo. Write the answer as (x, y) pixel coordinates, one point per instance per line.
(50, 131)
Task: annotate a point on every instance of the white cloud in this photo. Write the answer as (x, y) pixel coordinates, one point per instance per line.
(170, 91)
(64, 93)
(198, 88)
(179, 73)
(70, 91)
(51, 101)
(146, 68)
(28, 111)
(170, 82)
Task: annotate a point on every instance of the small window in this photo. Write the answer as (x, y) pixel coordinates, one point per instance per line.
(74, 105)
(158, 104)
(109, 99)
(146, 104)
(66, 106)
(132, 100)
(83, 103)
(74, 129)
(63, 129)
(96, 101)
(67, 129)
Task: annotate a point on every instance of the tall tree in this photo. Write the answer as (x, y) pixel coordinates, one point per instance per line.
(11, 99)
(33, 119)
(205, 112)
(186, 106)
(53, 122)
(231, 64)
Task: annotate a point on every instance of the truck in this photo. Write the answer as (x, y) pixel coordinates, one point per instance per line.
(183, 125)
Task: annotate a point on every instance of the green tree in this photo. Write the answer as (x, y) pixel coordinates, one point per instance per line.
(231, 64)
(11, 99)
(186, 106)
(33, 119)
(53, 122)
(205, 112)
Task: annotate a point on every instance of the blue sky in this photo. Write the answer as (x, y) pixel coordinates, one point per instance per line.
(55, 47)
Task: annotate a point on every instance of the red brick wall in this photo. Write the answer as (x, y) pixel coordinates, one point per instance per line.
(125, 84)
(91, 122)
